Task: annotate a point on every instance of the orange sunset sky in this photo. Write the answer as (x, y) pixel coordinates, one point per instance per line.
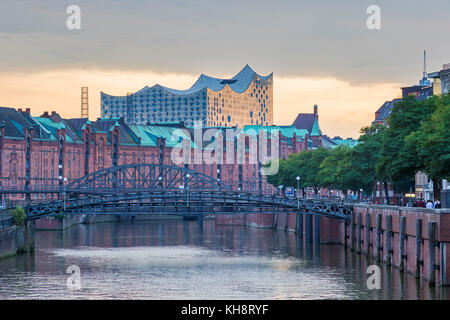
(343, 107)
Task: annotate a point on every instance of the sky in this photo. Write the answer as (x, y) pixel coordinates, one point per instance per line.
(321, 52)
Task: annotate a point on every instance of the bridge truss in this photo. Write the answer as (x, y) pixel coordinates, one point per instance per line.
(144, 189)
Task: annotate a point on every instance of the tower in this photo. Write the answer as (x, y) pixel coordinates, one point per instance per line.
(84, 102)
(425, 81)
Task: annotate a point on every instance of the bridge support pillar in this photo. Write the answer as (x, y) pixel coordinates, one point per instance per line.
(309, 227)
(317, 230)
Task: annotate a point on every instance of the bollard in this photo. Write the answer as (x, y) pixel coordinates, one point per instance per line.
(352, 232)
(388, 240)
(378, 239)
(402, 255)
(368, 228)
(358, 233)
(419, 242)
(432, 227)
(317, 230)
(308, 228)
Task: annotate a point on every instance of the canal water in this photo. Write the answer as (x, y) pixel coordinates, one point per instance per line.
(174, 260)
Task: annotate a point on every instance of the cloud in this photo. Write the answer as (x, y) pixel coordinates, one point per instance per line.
(289, 38)
(343, 107)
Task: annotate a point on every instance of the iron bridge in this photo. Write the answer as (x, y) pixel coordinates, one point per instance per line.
(143, 189)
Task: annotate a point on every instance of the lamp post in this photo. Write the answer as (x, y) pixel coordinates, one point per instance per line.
(298, 192)
(360, 193)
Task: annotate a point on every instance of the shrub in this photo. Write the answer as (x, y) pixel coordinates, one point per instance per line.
(19, 215)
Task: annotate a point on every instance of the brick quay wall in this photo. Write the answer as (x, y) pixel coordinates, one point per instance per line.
(416, 240)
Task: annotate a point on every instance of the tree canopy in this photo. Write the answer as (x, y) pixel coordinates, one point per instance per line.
(417, 138)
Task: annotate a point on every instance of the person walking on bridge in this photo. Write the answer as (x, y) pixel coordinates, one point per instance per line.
(437, 204)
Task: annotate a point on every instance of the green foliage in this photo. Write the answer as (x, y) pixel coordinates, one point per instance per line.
(417, 139)
(306, 165)
(399, 159)
(19, 215)
(431, 142)
(60, 216)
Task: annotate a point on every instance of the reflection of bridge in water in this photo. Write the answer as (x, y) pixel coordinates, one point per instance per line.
(144, 189)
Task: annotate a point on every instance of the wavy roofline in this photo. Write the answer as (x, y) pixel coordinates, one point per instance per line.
(242, 81)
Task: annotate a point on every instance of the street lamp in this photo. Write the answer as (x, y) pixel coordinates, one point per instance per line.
(360, 193)
(298, 192)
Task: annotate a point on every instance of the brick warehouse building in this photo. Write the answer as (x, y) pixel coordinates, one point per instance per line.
(48, 149)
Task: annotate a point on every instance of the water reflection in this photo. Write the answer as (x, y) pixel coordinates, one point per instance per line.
(186, 260)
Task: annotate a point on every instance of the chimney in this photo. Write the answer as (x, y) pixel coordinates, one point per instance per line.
(27, 110)
(45, 115)
(53, 113)
(20, 110)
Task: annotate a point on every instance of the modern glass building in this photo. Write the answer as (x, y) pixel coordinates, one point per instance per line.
(245, 99)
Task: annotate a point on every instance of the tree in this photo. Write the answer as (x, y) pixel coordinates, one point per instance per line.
(397, 161)
(306, 165)
(431, 144)
(366, 154)
(18, 215)
(335, 170)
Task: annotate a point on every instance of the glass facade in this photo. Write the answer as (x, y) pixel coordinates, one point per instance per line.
(245, 99)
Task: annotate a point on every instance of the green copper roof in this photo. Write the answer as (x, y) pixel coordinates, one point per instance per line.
(347, 142)
(315, 131)
(286, 131)
(147, 138)
(149, 134)
(51, 126)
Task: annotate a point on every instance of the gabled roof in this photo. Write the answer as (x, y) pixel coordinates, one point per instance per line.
(385, 110)
(51, 127)
(15, 121)
(309, 122)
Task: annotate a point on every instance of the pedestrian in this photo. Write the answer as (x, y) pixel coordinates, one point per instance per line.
(420, 203)
(437, 204)
(430, 204)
